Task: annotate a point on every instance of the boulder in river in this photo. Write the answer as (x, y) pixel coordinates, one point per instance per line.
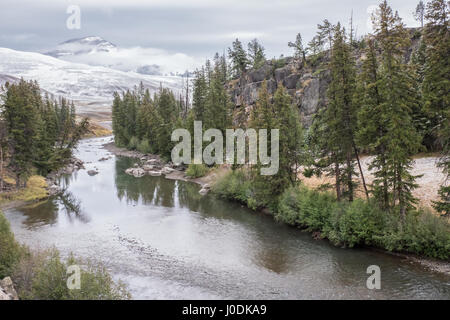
(167, 170)
(92, 172)
(153, 161)
(135, 172)
(154, 173)
(148, 167)
(205, 189)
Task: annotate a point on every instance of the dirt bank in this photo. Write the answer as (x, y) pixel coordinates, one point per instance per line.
(430, 179)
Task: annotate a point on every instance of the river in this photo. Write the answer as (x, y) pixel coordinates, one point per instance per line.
(166, 241)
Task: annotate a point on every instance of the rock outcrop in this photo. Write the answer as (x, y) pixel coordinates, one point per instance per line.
(73, 165)
(7, 291)
(306, 83)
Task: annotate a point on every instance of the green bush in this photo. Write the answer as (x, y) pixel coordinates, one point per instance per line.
(361, 222)
(356, 223)
(10, 250)
(236, 185)
(144, 146)
(43, 276)
(422, 233)
(306, 208)
(196, 170)
(133, 144)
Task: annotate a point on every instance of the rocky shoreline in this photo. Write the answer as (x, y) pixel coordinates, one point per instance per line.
(52, 179)
(153, 165)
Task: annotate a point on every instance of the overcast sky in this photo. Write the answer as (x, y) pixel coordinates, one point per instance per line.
(196, 28)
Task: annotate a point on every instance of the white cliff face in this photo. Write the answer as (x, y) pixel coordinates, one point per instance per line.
(75, 81)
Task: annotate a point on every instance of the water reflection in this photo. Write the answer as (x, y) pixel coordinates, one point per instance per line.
(47, 212)
(203, 241)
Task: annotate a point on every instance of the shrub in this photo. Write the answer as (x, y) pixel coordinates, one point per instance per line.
(144, 146)
(196, 170)
(235, 185)
(43, 276)
(306, 208)
(356, 223)
(132, 145)
(422, 233)
(10, 250)
(362, 223)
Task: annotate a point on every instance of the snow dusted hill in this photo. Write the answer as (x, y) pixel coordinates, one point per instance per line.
(86, 85)
(81, 46)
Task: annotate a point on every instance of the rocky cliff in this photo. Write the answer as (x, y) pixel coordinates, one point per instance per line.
(307, 84)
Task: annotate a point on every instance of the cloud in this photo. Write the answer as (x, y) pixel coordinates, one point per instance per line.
(137, 59)
(197, 28)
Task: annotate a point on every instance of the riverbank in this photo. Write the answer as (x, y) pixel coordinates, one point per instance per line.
(39, 188)
(429, 179)
(213, 176)
(155, 161)
(166, 241)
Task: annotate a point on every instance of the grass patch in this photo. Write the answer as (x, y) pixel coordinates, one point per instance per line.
(96, 130)
(196, 170)
(36, 190)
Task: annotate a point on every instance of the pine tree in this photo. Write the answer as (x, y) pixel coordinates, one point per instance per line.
(256, 54)
(372, 127)
(299, 50)
(419, 14)
(335, 127)
(218, 107)
(199, 96)
(326, 32)
(436, 77)
(238, 58)
(279, 114)
(21, 116)
(3, 141)
(398, 96)
(315, 46)
(435, 86)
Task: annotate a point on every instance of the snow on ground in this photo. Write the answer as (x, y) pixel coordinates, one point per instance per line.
(90, 86)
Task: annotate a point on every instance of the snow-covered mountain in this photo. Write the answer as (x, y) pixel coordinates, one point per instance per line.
(85, 84)
(82, 46)
(96, 51)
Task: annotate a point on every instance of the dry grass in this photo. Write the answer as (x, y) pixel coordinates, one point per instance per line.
(96, 130)
(36, 190)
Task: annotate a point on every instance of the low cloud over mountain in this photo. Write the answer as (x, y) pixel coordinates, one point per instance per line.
(96, 51)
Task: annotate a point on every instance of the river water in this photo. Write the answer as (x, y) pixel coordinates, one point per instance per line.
(166, 241)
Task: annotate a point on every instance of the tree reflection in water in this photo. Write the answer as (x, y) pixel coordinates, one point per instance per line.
(46, 212)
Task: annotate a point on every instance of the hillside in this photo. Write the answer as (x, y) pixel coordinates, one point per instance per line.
(307, 84)
(91, 87)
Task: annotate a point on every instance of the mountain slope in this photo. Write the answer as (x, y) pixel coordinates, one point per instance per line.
(80, 46)
(82, 83)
